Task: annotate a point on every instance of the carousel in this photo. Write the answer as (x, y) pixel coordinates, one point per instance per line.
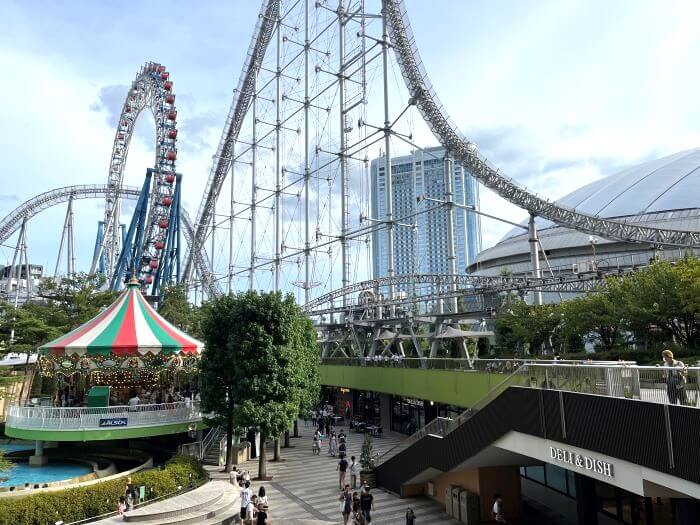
(125, 373)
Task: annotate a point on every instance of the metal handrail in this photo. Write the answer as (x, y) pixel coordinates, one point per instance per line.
(440, 427)
(69, 418)
(449, 363)
(653, 384)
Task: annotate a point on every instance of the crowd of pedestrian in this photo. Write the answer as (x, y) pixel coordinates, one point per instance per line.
(254, 507)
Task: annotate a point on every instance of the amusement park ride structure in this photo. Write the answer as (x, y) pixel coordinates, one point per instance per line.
(317, 98)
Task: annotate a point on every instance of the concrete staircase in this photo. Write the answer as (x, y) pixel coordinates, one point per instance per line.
(214, 503)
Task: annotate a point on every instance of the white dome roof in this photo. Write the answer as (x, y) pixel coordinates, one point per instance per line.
(670, 183)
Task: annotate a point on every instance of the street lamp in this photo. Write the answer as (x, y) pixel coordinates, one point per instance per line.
(593, 241)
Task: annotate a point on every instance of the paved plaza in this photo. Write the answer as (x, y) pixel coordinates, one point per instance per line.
(305, 487)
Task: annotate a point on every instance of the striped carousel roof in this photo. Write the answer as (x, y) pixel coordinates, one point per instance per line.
(130, 326)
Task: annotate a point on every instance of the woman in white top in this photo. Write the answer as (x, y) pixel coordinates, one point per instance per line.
(262, 498)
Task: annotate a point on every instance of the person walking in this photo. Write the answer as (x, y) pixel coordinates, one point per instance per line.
(346, 503)
(675, 375)
(251, 511)
(366, 503)
(233, 476)
(410, 517)
(342, 468)
(246, 497)
(497, 509)
(316, 447)
(354, 472)
(332, 445)
(262, 498)
(262, 507)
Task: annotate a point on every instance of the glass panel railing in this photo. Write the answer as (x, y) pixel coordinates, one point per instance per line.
(652, 384)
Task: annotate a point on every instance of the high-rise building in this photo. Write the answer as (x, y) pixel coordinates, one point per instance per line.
(423, 248)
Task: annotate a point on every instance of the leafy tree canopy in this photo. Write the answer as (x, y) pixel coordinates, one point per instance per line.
(260, 352)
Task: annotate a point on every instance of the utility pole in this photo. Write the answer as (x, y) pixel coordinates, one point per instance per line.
(387, 159)
(534, 257)
(449, 203)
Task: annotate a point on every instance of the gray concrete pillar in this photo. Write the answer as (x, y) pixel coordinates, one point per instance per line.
(38, 459)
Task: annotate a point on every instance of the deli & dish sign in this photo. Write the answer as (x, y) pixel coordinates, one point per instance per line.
(582, 462)
(114, 421)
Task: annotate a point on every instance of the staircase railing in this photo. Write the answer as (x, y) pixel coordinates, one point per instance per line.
(645, 383)
(441, 426)
(208, 441)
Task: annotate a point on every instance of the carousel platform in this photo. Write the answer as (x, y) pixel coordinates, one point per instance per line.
(128, 350)
(102, 423)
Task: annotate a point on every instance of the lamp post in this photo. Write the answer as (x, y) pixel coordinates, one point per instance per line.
(593, 241)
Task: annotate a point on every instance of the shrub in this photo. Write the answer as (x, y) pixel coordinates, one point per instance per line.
(85, 502)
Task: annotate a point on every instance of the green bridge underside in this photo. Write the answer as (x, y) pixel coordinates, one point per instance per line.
(98, 435)
(455, 387)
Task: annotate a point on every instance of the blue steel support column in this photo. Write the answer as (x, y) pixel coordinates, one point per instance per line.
(98, 242)
(125, 263)
(170, 250)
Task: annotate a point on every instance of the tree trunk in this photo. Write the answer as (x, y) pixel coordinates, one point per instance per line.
(277, 453)
(296, 428)
(286, 438)
(262, 458)
(229, 441)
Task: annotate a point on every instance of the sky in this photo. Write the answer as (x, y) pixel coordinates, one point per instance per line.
(556, 94)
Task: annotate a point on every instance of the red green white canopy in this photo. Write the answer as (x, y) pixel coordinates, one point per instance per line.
(130, 326)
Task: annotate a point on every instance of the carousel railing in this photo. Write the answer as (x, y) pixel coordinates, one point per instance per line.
(122, 416)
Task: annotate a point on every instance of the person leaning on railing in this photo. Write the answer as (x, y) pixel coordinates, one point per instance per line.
(675, 377)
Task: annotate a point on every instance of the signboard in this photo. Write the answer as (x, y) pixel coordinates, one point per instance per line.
(582, 462)
(114, 421)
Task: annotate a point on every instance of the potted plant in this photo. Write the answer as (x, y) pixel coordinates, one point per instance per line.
(367, 459)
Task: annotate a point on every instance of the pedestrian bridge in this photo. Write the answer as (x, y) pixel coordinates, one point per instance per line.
(46, 423)
(463, 382)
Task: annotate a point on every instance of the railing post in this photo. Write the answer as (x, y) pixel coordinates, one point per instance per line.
(562, 415)
(669, 437)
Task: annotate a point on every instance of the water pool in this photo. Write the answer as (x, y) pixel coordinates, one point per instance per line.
(14, 447)
(22, 473)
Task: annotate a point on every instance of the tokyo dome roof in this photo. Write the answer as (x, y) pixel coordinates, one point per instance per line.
(669, 183)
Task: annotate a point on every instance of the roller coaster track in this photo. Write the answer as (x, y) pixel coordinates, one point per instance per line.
(12, 221)
(447, 286)
(435, 115)
(243, 95)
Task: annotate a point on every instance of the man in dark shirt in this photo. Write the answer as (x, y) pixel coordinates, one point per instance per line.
(342, 469)
(366, 503)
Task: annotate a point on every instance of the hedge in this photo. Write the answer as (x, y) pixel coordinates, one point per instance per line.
(86, 502)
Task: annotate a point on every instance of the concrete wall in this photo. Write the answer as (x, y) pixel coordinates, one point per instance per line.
(486, 482)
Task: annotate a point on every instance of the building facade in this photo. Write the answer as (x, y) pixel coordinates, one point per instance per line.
(420, 236)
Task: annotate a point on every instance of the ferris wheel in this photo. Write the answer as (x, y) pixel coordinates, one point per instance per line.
(154, 231)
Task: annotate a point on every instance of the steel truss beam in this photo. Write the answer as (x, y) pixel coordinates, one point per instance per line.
(446, 131)
(243, 96)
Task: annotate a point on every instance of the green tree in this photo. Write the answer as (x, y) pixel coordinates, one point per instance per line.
(603, 313)
(259, 364)
(79, 298)
(521, 327)
(177, 309)
(62, 305)
(665, 296)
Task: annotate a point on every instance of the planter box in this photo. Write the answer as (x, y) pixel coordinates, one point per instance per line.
(370, 476)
